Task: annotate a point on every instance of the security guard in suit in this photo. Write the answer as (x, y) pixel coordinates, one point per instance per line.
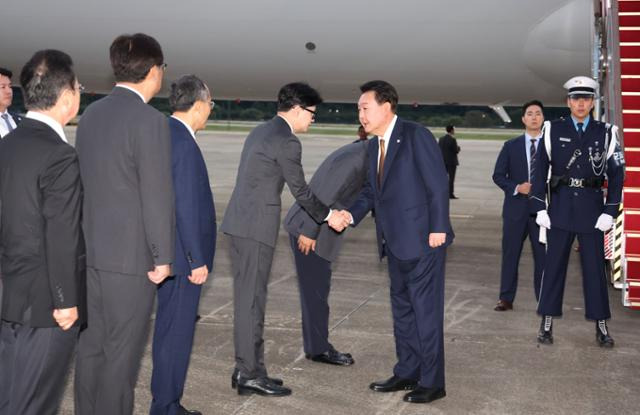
(577, 155)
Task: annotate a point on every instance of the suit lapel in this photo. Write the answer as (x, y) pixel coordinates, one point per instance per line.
(395, 141)
(523, 155)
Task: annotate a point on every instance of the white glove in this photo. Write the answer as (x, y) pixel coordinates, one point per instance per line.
(543, 219)
(604, 222)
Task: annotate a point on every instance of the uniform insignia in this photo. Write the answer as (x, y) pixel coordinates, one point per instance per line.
(565, 139)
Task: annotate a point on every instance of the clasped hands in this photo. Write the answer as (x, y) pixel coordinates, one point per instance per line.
(65, 317)
(161, 272)
(339, 220)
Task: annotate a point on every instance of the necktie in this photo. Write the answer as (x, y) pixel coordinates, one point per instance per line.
(580, 129)
(532, 160)
(381, 163)
(5, 117)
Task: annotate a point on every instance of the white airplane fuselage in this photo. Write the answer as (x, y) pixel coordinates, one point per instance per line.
(456, 51)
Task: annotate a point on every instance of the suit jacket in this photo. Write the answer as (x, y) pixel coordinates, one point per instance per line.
(270, 157)
(450, 149)
(195, 211)
(337, 182)
(17, 118)
(413, 199)
(511, 169)
(43, 248)
(124, 148)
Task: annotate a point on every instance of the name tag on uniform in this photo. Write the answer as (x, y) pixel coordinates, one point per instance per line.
(565, 139)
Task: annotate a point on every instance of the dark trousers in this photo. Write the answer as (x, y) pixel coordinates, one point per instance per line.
(417, 305)
(111, 347)
(514, 232)
(451, 171)
(34, 362)
(251, 266)
(175, 326)
(594, 280)
(314, 281)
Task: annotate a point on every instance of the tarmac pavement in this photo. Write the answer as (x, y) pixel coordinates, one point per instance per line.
(494, 364)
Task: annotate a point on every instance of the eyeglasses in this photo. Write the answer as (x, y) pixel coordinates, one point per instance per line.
(80, 88)
(313, 113)
(163, 66)
(212, 104)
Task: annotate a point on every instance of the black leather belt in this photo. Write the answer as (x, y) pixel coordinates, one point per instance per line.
(592, 182)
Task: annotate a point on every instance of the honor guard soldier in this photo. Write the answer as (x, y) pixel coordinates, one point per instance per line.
(577, 154)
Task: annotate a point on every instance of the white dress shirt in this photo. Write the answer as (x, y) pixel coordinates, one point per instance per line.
(55, 125)
(4, 130)
(132, 90)
(387, 138)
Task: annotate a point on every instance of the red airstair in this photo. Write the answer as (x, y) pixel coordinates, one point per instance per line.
(629, 85)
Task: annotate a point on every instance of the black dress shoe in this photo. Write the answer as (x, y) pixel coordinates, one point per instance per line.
(236, 374)
(261, 386)
(503, 305)
(424, 395)
(332, 357)
(545, 334)
(602, 335)
(452, 197)
(184, 411)
(393, 384)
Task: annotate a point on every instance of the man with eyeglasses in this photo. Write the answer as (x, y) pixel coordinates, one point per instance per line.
(574, 157)
(124, 148)
(8, 121)
(43, 259)
(270, 157)
(179, 295)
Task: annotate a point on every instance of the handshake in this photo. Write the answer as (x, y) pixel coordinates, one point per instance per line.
(339, 220)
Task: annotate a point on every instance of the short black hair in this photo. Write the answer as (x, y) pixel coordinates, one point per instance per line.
(449, 128)
(47, 74)
(133, 56)
(297, 93)
(6, 72)
(186, 91)
(531, 103)
(384, 91)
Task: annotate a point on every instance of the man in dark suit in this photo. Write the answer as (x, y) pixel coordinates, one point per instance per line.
(124, 148)
(8, 120)
(450, 149)
(337, 181)
(270, 157)
(43, 260)
(407, 185)
(179, 295)
(513, 173)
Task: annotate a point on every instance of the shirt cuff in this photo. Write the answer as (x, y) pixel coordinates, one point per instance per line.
(329, 215)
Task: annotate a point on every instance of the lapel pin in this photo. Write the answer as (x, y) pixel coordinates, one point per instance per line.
(397, 141)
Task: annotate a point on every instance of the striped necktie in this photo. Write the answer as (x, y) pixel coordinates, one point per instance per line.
(532, 160)
(5, 117)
